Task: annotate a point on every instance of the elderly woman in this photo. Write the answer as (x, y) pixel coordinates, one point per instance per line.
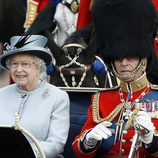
(43, 109)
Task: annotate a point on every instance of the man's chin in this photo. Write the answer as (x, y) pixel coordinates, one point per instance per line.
(124, 74)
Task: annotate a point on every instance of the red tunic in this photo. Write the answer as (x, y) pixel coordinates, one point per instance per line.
(155, 2)
(41, 4)
(84, 15)
(107, 103)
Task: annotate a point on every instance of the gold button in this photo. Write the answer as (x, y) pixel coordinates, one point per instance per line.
(122, 150)
(123, 141)
(124, 132)
(139, 85)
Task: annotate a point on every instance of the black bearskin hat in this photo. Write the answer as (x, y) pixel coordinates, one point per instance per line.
(126, 28)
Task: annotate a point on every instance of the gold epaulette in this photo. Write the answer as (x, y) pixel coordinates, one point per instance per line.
(31, 12)
(154, 86)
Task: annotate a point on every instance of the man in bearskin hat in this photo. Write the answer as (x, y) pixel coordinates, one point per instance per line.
(120, 121)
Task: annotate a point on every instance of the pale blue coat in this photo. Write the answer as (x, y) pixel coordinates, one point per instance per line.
(45, 114)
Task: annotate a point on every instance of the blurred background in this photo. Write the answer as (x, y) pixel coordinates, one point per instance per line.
(4, 78)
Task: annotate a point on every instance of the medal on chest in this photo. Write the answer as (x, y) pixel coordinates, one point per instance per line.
(128, 111)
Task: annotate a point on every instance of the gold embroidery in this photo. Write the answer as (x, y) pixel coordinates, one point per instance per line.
(31, 13)
(136, 85)
(81, 139)
(131, 119)
(95, 110)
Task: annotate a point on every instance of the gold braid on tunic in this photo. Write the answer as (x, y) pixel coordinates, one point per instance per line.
(95, 110)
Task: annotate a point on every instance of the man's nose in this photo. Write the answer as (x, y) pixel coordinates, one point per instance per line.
(124, 61)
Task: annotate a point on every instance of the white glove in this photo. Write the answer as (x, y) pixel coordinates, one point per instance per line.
(144, 126)
(98, 133)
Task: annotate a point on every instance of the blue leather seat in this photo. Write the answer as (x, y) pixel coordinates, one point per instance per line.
(79, 103)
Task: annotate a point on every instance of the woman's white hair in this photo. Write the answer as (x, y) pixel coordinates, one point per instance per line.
(42, 66)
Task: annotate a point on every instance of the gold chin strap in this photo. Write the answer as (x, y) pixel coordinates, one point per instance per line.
(31, 12)
(133, 74)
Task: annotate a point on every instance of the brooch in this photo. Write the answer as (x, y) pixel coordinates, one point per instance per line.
(45, 94)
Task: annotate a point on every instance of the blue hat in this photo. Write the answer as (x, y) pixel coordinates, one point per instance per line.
(31, 44)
